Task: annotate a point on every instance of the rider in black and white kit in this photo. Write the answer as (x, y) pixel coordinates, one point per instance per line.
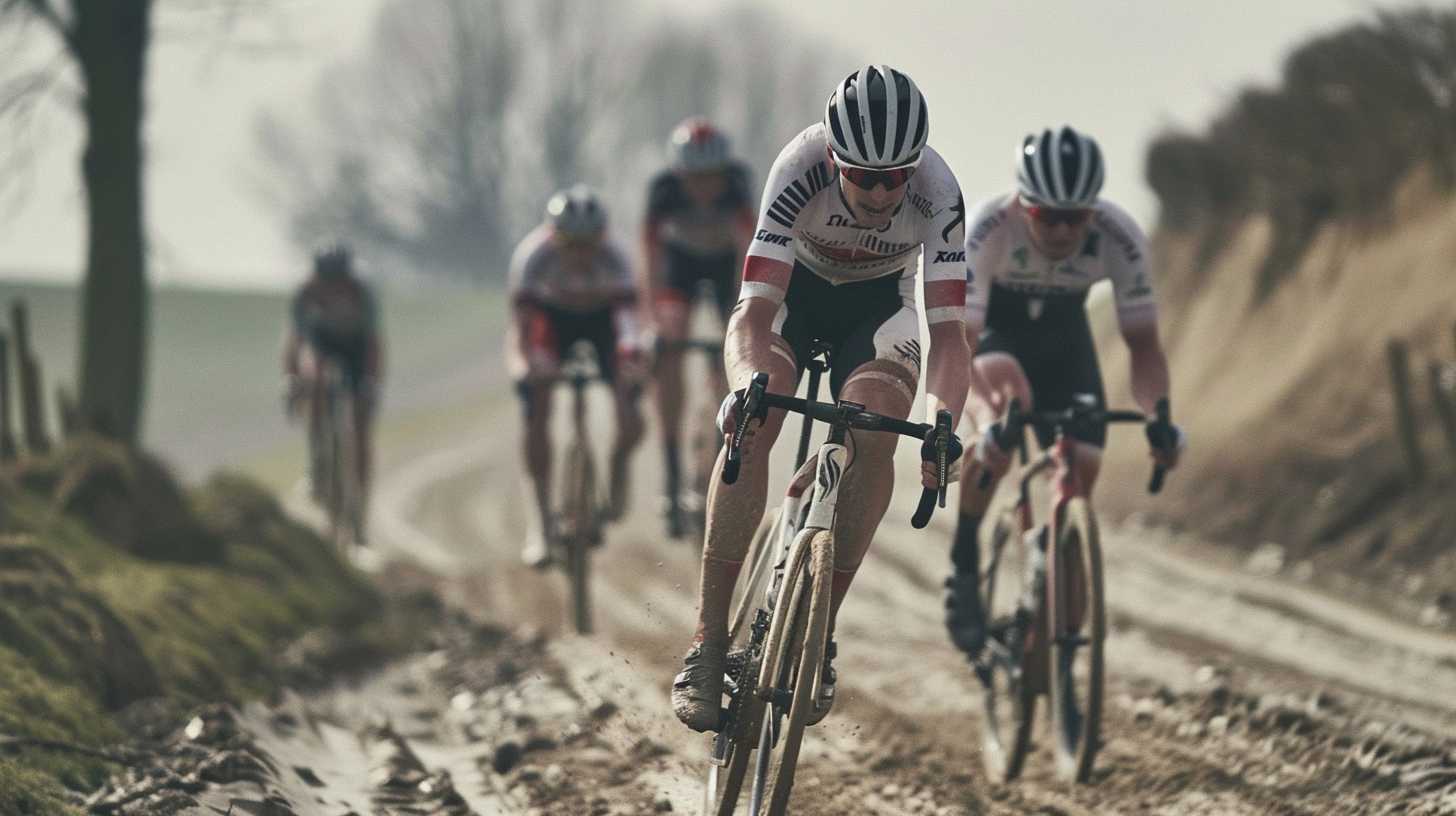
(698, 225)
(1032, 254)
(855, 208)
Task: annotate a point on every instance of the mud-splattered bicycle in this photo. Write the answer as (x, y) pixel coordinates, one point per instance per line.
(1048, 623)
(775, 666)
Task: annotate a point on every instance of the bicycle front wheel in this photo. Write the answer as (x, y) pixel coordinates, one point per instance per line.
(1008, 700)
(1078, 626)
(811, 588)
(581, 519)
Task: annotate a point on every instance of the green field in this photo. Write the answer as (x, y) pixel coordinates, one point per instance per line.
(213, 394)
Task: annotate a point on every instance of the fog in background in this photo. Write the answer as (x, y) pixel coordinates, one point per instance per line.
(218, 204)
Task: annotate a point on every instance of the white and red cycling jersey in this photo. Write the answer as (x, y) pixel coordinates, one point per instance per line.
(541, 273)
(560, 299)
(1007, 274)
(803, 218)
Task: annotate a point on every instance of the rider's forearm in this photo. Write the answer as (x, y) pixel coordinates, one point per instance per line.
(948, 367)
(1149, 367)
(651, 268)
(748, 346)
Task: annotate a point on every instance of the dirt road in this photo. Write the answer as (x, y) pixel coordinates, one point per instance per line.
(1230, 693)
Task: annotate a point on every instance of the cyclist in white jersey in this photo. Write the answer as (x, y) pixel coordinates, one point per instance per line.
(1032, 255)
(569, 283)
(849, 208)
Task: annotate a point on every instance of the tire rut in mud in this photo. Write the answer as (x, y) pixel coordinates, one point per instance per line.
(483, 722)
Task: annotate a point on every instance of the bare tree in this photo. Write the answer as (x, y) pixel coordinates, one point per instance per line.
(107, 41)
(441, 146)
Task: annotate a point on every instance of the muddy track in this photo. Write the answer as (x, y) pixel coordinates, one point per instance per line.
(1228, 693)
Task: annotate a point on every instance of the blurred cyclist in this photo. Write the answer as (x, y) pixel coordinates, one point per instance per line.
(699, 222)
(856, 207)
(1032, 255)
(334, 316)
(569, 282)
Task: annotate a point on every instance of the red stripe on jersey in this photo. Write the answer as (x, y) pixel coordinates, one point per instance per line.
(945, 293)
(758, 269)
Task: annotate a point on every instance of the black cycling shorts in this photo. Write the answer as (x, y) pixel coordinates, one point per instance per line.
(687, 270)
(1052, 340)
(350, 352)
(555, 330)
(864, 321)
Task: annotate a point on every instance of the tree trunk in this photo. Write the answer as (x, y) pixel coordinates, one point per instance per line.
(111, 39)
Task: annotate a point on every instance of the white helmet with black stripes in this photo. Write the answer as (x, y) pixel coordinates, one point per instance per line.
(1059, 168)
(876, 118)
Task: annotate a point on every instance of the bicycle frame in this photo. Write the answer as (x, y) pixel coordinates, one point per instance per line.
(832, 459)
(1061, 458)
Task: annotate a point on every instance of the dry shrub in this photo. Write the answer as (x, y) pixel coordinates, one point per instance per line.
(1356, 112)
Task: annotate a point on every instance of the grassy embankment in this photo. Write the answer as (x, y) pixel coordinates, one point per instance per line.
(119, 593)
(1311, 224)
(122, 592)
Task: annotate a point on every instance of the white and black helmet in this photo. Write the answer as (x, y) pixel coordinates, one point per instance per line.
(876, 118)
(576, 211)
(1059, 168)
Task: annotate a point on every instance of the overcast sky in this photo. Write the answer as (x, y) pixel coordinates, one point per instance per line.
(991, 71)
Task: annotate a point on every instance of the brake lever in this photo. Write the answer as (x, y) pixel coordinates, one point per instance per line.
(753, 405)
(1164, 414)
(1007, 429)
(931, 496)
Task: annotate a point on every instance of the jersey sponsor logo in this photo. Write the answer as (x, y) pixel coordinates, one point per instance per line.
(771, 238)
(950, 256)
(868, 251)
(1071, 271)
(791, 200)
(959, 212)
(1040, 288)
(837, 220)
(1022, 256)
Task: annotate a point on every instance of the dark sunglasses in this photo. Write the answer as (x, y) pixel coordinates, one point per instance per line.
(1052, 216)
(866, 178)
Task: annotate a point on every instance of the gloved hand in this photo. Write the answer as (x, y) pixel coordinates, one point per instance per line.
(929, 477)
(1167, 442)
(728, 411)
(989, 451)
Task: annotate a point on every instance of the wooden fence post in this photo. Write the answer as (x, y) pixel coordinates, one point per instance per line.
(1445, 403)
(70, 415)
(7, 425)
(27, 369)
(1399, 358)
